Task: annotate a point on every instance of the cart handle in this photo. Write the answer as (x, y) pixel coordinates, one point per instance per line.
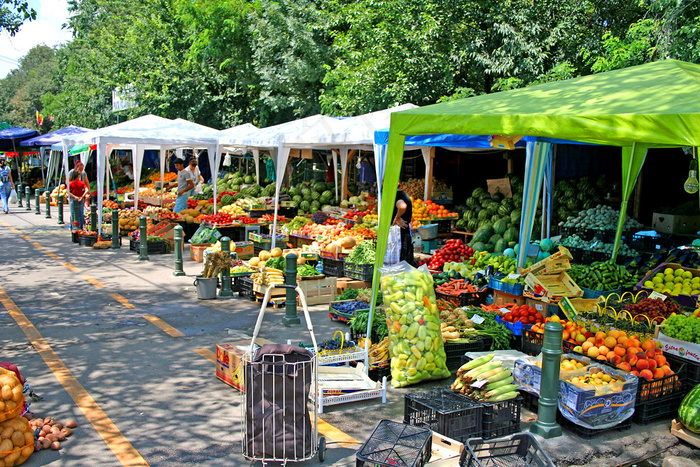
(302, 297)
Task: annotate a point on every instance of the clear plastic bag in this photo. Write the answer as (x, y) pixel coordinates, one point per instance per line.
(13, 197)
(415, 341)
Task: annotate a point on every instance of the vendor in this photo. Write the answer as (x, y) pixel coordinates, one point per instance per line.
(403, 211)
(184, 185)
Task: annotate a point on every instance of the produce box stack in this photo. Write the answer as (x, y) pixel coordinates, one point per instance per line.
(547, 281)
(17, 442)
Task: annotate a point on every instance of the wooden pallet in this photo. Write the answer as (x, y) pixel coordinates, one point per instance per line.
(678, 430)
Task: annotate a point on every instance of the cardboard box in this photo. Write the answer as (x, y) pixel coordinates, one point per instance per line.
(444, 451)
(688, 350)
(343, 283)
(553, 286)
(571, 307)
(675, 224)
(546, 308)
(229, 368)
(553, 264)
(501, 298)
(528, 374)
(244, 250)
(197, 251)
(596, 408)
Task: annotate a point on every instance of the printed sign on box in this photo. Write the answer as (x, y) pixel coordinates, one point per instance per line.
(687, 350)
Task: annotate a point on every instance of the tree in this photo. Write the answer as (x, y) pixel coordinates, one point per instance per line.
(13, 13)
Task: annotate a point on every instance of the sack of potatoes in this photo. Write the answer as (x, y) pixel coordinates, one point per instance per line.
(16, 441)
(11, 395)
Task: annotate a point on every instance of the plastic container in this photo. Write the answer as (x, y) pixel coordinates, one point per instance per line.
(507, 287)
(464, 299)
(521, 449)
(456, 350)
(332, 267)
(501, 418)
(206, 287)
(662, 407)
(692, 378)
(154, 248)
(588, 433)
(245, 288)
(394, 444)
(444, 412)
(428, 232)
(360, 272)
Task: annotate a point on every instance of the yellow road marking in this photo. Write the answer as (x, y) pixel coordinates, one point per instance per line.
(206, 353)
(6, 224)
(52, 255)
(26, 237)
(14, 230)
(325, 428)
(70, 266)
(115, 440)
(165, 327)
(121, 300)
(93, 281)
(37, 246)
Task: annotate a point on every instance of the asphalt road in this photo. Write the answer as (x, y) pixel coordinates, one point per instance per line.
(128, 351)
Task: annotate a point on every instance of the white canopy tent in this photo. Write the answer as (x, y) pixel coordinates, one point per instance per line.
(235, 134)
(305, 133)
(139, 134)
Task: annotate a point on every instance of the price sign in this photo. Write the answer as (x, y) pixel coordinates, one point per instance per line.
(513, 275)
(480, 384)
(476, 319)
(656, 294)
(504, 310)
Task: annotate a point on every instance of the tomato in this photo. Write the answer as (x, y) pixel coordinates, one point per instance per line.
(539, 316)
(524, 320)
(532, 319)
(515, 313)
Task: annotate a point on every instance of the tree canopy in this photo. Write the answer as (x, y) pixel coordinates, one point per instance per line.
(225, 62)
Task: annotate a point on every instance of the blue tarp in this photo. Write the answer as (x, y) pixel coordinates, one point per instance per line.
(54, 137)
(444, 141)
(11, 137)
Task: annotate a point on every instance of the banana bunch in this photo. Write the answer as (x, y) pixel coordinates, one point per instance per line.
(272, 276)
(257, 278)
(485, 380)
(379, 352)
(214, 248)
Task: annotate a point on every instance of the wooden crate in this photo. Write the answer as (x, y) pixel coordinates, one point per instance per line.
(320, 291)
(261, 288)
(677, 429)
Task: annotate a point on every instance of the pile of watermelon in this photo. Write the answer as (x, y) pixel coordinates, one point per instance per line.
(313, 197)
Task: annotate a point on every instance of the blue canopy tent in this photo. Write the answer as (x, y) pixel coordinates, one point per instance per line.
(11, 137)
(46, 143)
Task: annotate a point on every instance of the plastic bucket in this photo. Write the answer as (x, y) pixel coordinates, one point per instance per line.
(206, 287)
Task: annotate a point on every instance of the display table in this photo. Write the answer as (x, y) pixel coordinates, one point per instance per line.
(461, 233)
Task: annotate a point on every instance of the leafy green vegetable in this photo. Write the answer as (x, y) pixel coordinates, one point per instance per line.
(307, 270)
(275, 263)
(348, 294)
(297, 223)
(359, 323)
(363, 253)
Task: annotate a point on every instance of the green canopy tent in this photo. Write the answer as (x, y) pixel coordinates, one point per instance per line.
(636, 108)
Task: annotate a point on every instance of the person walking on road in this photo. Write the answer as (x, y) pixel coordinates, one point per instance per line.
(6, 184)
(184, 185)
(78, 190)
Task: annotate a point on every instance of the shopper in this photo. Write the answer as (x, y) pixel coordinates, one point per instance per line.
(78, 190)
(80, 169)
(403, 211)
(197, 178)
(6, 184)
(184, 185)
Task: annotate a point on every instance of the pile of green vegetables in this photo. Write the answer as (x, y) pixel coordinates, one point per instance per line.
(363, 253)
(488, 328)
(347, 294)
(275, 263)
(358, 324)
(297, 223)
(602, 275)
(155, 239)
(307, 270)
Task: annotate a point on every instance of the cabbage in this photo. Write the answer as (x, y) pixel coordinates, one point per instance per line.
(354, 200)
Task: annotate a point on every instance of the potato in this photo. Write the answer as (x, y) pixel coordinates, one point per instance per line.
(59, 425)
(11, 458)
(6, 392)
(45, 443)
(18, 438)
(17, 393)
(55, 430)
(71, 424)
(55, 445)
(60, 436)
(52, 437)
(2, 406)
(27, 450)
(6, 433)
(48, 421)
(28, 437)
(6, 445)
(67, 432)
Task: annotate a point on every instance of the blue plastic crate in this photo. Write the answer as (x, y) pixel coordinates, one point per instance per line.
(506, 287)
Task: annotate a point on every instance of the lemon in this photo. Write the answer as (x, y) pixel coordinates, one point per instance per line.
(678, 280)
(649, 284)
(678, 272)
(668, 271)
(669, 277)
(657, 279)
(687, 275)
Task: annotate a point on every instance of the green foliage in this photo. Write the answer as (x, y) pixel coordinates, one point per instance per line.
(13, 13)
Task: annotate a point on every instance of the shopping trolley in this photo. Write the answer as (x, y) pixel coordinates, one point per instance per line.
(278, 378)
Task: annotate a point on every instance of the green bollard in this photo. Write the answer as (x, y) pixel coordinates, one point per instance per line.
(20, 192)
(226, 272)
(290, 275)
(93, 217)
(546, 424)
(48, 204)
(178, 252)
(143, 239)
(28, 194)
(37, 205)
(60, 210)
(115, 229)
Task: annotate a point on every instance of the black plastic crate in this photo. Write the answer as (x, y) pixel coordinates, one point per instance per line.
(650, 244)
(333, 267)
(664, 407)
(360, 272)
(521, 449)
(668, 386)
(464, 299)
(87, 240)
(588, 433)
(445, 225)
(530, 401)
(357, 335)
(236, 282)
(75, 237)
(377, 373)
(444, 412)
(455, 351)
(531, 342)
(692, 369)
(154, 248)
(245, 288)
(393, 444)
(501, 418)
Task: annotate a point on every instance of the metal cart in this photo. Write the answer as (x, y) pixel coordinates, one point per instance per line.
(278, 423)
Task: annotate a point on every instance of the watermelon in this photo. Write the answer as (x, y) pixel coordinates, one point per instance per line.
(483, 233)
(504, 210)
(305, 192)
(497, 196)
(461, 224)
(500, 246)
(511, 235)
(494, 238)
(500, 226)
(546, 245)
(472, 225)
(304, 205)
(293, 192)
(235, 188)
(478, 192)
(489, 247)
(515, 218)
(483, 214)
(315, 195)
(226, 200)
(315, 205)
(689, 411)
(478, 246)
(249, 179)
(297, 199)
(471, 201)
